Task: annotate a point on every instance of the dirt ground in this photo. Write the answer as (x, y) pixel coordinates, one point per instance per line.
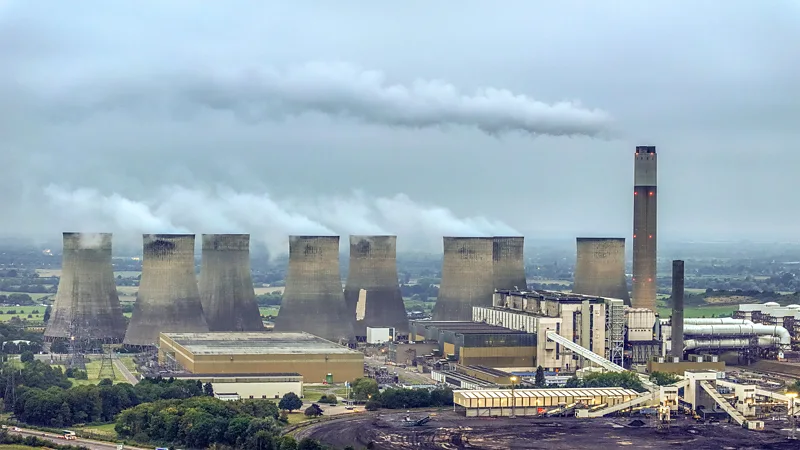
(446, 430)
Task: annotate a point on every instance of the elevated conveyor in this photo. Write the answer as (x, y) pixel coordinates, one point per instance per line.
(727, 407)
(597, 359)
(622, 406)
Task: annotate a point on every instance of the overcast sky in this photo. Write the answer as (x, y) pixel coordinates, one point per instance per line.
(417, 118)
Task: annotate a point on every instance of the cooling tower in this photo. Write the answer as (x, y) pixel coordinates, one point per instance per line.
(373, 268)
(313, 300)
(86, 305)
(600, 268)
(677, 308)
(226, 285)
(467, 277)
(644, 228)
(168, 298)
(509, 264)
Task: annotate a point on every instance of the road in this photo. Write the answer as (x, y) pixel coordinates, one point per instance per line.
(129, 377)
(88, 443)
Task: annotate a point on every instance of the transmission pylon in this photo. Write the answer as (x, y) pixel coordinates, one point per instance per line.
(107, 362)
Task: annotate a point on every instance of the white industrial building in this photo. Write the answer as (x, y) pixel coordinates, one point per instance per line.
(267, 386)
(595, 323)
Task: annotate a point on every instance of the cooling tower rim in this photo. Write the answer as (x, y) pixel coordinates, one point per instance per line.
(80, 233)
(468, 238)
(309, 236)
(227, 234)
(600, 239)
(371, 236)
(508, 237)
(167, 235)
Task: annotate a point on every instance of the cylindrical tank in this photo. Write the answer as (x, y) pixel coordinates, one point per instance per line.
(677, 308)
(168, 298)
(373, 269)
(226, 285)
(313, 300)
(600, 268)
(87, 305)
(467, 277)
(509, 263)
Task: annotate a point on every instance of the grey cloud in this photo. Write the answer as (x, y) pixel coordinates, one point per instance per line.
(334, 89)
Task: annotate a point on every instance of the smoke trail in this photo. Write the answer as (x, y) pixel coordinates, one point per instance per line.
(334, 90)
(90, 240)
(179, 209)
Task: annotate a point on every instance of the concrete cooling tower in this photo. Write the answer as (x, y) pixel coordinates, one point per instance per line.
(313, 300)
(226, 285)
(467, 277)
(600, 268)
(509, 263)
(86, 305)
(373, 269)
(168, 298)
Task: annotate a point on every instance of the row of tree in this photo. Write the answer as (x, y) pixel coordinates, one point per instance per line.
(208, 422)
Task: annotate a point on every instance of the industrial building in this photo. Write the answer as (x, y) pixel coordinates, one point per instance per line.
(226, 285)
(87, 306)
(264, 386)
(509, 263)
(581, 319)
(533, 402)
(467, 277)
(772, 313)
(259, 353)
(372, 290)
(477, 344)
(645, 221)
(168, 298)
(600, 268)
(313, 300)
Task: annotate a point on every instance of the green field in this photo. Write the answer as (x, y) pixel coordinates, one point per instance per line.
(19, 447)
(103, 431)
(22, 313)
(269, 310)
(92, 371)
(701, 311)
(127, 361)
(127, 274)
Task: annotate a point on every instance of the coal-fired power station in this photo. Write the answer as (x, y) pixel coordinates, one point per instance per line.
(226, 285)
(168, 298)
(87, 305)
(372, 290)
(467, 277)
(313, 300)
(509, 263)
(600, 268)
(644, 228)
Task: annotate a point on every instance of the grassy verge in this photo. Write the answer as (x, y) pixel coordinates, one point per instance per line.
(106, 431)
(701, 311)
(269, 310)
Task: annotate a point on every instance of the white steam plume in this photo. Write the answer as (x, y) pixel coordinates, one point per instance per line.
(90, 240)
(179, 209)
(333, 90)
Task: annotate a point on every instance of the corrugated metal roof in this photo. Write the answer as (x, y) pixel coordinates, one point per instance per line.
(542, 393)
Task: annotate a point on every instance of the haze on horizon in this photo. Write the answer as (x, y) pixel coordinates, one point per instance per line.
(413, 118)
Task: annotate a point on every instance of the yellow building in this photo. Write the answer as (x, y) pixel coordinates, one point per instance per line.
(260, 353)
(531, 402)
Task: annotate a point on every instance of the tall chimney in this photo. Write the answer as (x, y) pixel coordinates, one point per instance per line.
(226, 285)
(168, 298)
(313, 300)
(373, 269)
(467, 277)
(677, 308)
(644, 228)
(600, 268)
(509, 263)
(87, 305)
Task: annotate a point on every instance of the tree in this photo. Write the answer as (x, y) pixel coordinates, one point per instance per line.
(372, 405)
(663, 378)
(290, 402)
(539, 381)
(208, 389)
(313, 411)
(364, 388)
(26, 357)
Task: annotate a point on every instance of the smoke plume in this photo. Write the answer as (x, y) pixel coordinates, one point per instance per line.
(269, 221)
(335, 90)
(91, 240)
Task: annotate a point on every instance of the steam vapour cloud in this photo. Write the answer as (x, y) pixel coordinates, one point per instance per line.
(270, 221)
(332, 89)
